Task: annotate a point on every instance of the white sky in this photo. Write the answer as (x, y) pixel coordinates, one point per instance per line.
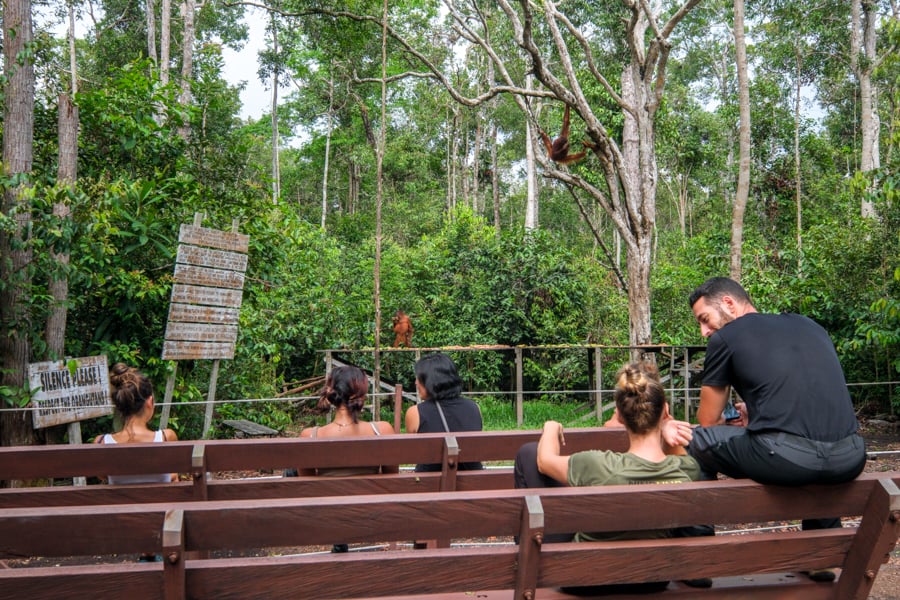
(256, 98)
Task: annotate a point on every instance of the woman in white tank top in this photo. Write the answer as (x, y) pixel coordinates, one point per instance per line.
(132, 395)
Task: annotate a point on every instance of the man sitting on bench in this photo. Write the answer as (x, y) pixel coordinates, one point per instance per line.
(797, 423)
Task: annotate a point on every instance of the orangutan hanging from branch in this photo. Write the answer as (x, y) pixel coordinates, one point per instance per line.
(558, 149)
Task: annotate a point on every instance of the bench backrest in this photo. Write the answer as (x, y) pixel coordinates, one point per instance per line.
(530, 514)
(201, 458)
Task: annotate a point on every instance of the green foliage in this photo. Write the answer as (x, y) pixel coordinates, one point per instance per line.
(120, 130)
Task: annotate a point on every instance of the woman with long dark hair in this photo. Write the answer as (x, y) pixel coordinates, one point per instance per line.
(345, 394)
(442, 407)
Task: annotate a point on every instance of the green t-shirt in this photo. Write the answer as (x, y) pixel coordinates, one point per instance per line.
(604, 467)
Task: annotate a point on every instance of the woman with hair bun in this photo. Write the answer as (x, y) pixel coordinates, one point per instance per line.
(132, 396)
(345, 393)
(641, 407)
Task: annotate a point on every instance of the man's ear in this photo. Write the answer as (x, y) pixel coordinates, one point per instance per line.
(729, 305)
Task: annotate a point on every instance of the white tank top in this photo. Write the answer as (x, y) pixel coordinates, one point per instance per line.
(129, 479)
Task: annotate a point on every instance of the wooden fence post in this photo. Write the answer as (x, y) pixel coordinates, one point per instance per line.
(520, 416)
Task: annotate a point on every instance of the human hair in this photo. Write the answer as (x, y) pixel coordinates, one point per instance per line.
(640, 398)
(715, 288)
(438, 375)
(129, 389)
(344, 386)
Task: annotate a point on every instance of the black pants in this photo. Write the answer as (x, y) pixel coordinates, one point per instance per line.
(526, 475)
(778, 458)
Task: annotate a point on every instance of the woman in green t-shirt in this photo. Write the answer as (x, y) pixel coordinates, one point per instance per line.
(641, 407)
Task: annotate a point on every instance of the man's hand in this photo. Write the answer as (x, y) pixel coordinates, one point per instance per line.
(743, 419)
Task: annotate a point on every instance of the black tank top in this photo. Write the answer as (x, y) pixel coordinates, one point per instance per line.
(462, 414)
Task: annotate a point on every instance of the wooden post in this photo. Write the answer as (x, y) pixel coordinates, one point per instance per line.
(210, 398)
(687, 384)
(167, 401)
(598, 384)
(531, 537)
(672, 381)
(398, 406)
(198, 472)
(75, 438)
(520, 416)
(173, 555)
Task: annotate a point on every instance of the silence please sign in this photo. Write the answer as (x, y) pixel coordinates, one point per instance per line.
(71, 390)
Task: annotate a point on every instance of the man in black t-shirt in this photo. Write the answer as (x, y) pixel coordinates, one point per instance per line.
(797, 423)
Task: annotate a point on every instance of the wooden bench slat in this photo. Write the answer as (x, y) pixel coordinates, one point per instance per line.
(376, 574)
(648, 560)
(142, 582)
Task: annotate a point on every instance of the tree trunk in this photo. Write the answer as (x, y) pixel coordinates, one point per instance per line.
(354, 176)
(15, 248)
(187, 61)
(863, 62)
(531, 196)
(495, 179)
(327, 150)
(454, 158)
(797, 178)
(379, 199)
(151, 31)
(72, 56)
(55, 329)
(638, 183)
(743, 184)
(165, 41)
(276, 163)
(476, 160)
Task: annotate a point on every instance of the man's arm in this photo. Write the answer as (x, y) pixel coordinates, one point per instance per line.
(713, 399)
(549, 460)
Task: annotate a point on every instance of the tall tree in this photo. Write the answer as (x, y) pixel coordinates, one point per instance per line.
(188, 15)
(67, 168)
(165, 41)
(15, 247)
(743, 185)
(151, 31)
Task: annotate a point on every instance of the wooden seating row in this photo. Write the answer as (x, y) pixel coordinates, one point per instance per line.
(762, 565)
(202, 459)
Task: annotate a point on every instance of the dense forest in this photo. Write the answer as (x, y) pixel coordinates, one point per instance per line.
(417, 163)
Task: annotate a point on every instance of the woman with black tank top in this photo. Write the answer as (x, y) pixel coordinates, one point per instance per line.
(442, 407)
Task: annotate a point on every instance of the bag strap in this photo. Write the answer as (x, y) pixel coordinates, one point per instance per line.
(443, 418)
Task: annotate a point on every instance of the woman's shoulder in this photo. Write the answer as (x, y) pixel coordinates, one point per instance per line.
(385, 428)
(169, 435)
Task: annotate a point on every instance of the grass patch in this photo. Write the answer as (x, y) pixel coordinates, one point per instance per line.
(500, 414)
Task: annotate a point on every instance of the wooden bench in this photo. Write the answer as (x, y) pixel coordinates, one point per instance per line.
(201, 458)
(755, 565)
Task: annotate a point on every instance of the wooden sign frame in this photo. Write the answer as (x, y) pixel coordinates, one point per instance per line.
(206, 302)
